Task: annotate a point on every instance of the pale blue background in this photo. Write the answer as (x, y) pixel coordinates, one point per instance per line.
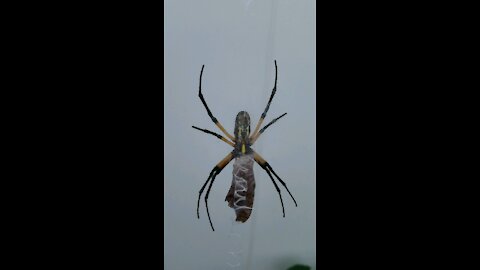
(238, 40)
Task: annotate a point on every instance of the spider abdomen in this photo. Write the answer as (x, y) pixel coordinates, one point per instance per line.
(242, 191)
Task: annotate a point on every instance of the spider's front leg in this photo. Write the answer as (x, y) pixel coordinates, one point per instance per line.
(264, 114)
(200, 95)
(256, 133)
(216, 170)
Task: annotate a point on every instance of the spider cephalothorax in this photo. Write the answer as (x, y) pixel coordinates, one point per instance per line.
(242, 133)
(241, 193)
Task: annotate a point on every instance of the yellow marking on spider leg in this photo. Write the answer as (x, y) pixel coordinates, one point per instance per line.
(256, 128)
(227, 141)
(224, 131)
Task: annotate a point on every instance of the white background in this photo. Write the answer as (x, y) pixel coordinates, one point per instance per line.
(238, 40)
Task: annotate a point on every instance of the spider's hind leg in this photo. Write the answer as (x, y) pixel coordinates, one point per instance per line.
(216, 170)
(264, 164)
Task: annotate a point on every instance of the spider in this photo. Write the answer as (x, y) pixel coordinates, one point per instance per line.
(241, 193)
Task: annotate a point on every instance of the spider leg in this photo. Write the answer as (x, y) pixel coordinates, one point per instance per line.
(203, 187)
(216, 135)
(215, 171)
(281, 182)
(206, 198)
(208, 110)
(265, 127)
(276, 186)
(264, 114)
(264, 164)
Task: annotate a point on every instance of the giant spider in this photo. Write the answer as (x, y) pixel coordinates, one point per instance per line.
(241, 193)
